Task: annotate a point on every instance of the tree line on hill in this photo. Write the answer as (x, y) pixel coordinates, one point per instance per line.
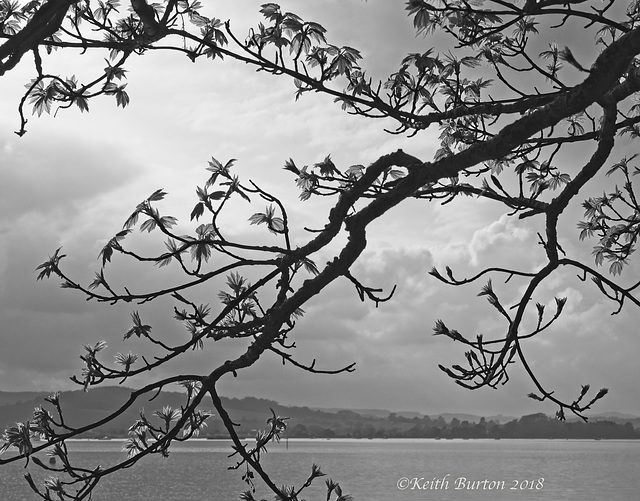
(349, 424)
(530, 426)
(250, 413)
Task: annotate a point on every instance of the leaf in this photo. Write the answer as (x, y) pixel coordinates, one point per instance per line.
(139, 329)
(82, 103)
(122, 98)
(291, 166)
(440, 328)
(423, 20)
(168, 414)
(132, 220)
(217, 195)
(274, 223)
(167, 222)
(258, 218)
(271, 11)
(396, 173)
(566, 55)
(106, 254)
(355, 171)
(42, 97)
(18, 436)
(310, 266)
(51, 265)
(149, 225)
(327, 167)
(198, 20)
(205, 231)
(126, 360)
(234, 187)
(487, 290)
(540, 308)
(560, 302)
(99, 346)
(98, 280)
(236, 282)
(345, 60)
(197, 211)
(157, 195)
(202, 194)
(616, 266)
(116, 72)
(598, 252)
(470, 61)
(200, 251)
(164, 260)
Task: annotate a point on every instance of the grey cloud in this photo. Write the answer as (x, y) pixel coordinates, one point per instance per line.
(50, 176)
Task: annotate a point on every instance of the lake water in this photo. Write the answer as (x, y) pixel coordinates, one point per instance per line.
(371, 470)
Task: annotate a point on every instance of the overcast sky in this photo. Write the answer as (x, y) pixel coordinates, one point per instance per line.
(72, 180)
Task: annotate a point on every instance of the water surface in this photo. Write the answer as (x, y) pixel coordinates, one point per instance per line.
(371, 470)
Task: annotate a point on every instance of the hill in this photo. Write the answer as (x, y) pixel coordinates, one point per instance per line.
(251, 413)
(448, 416)
(8, 397)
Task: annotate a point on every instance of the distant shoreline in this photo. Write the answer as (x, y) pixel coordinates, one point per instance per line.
(81, 409)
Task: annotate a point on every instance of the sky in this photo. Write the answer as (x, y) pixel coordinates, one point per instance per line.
(73, 179)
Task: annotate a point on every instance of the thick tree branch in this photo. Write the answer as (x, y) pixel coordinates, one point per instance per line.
(43, 24)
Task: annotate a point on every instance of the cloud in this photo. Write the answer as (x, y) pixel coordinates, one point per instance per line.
(73, 180)
(504, 237)
(59, 193)
(55, 178)
(55, 191)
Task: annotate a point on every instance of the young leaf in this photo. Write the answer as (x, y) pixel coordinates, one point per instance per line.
(197, 211)
(157, 195)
